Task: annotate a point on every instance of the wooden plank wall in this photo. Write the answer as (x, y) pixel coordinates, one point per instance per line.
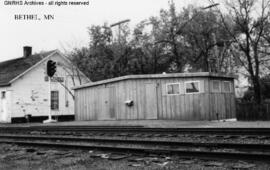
(222, 103)
(106, 102)
(183, 106)
(250, 111)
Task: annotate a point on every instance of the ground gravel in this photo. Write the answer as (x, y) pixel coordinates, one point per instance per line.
(13, 157)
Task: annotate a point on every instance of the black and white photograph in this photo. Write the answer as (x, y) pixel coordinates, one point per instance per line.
(134, 84)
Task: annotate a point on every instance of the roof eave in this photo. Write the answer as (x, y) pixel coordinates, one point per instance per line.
(5, 85)
(34, 66)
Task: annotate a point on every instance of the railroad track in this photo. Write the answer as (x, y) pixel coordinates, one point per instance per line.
(139, 129)
(259, 147)
(147, 140)
(195, 149)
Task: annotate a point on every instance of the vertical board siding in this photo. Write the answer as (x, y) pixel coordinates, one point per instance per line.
(89, 105)
(129, 110)
(159, 99)
(80, 107)
(77, 105)
(86, 105)
(163, 99)
(140, 100)
(136, 100)
(190, 107)
(182, 107)
(196, 107)
(112, 103)
(84, 110)
(227, 105)
(222, 102)
(121, 98)
(233, 105)
(76, 102)
(151, 101)
(125, 114)
(98, 103)
(94, 103)
(133, 97)
(117, 102)
(177, 108)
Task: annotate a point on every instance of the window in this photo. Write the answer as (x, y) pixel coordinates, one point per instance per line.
(216, 86)
(192, 87)
(227, 86)
(3, 95)
(54, 100)
(173, 89)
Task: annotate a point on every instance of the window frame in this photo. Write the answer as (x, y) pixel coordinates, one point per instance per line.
(199, 87)
(179, 86)
(57, 108)
(230, 88)
(219, 87)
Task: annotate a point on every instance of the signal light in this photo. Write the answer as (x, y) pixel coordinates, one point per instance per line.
(51, 68)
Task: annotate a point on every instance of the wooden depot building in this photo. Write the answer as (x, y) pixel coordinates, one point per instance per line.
(178, 96)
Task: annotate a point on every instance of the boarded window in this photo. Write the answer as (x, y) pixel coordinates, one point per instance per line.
(3, 95)
(54, 100)
(227, 86)
(173, 88)
(192, 87)
(216, 86)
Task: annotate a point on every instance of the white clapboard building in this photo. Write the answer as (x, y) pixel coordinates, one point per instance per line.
(25, 92)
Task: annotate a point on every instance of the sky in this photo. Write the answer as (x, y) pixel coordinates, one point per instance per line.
(69, 28)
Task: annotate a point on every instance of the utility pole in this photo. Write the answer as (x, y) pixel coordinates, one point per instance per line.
(119, 39)
(119, 27)
(203, 8)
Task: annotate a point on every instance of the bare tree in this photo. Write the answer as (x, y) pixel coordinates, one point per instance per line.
(250, 25)
(73, 73)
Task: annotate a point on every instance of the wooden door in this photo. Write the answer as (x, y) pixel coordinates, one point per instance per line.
(107, 104)
(151, 101)
(112, 103)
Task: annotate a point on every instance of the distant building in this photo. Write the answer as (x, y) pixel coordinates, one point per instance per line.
(24, 87)
(241, 85)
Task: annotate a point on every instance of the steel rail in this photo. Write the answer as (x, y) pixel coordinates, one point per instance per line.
(183, 153)
(107, 129)
(244, 146)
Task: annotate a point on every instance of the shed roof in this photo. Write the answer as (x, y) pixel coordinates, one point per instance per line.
(156, 76)
(10, 69)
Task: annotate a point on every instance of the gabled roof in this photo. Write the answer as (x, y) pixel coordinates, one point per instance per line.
(11, 69)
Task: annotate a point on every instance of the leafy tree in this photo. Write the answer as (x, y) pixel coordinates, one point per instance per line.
(206, 42)
(164, 43)
(169, 24)
(150, 55)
